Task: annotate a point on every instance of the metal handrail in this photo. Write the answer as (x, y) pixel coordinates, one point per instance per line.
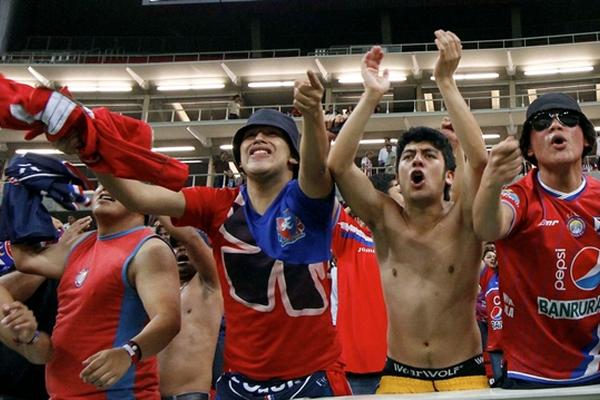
(66, 57)
(94, 57)
(469, 44)
(212, 112)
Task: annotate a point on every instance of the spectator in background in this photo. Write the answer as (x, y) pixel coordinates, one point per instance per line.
(70, 220)
(545, 227)
(234, 107)
(330, 110)
(366, 165)
(492, 303)
(360, 319)
(221, 166)
(385, 152)
(185, 365)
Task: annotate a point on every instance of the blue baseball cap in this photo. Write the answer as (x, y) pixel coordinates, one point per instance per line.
(272, 118)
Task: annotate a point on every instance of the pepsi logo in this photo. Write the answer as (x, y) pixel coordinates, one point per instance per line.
(496, 313)
(585, 268)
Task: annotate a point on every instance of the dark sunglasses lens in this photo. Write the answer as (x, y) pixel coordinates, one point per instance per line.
(568, 119)
(541, 122)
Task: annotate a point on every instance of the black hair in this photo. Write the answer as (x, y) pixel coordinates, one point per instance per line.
(382, 182)
(589, 136)
(437, 139)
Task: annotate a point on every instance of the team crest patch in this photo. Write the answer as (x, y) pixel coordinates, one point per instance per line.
(510, 196)
(576, 226)
(289, 228)
(81, 277)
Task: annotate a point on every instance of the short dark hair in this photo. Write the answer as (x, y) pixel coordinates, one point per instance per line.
(437, 139)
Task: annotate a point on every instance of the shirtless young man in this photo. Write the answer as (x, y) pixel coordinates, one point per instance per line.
(185, 365)
(427, 250)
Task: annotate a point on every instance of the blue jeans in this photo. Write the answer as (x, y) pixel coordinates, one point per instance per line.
(363, 383)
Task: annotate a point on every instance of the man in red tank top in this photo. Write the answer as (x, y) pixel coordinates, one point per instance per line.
(118, 305)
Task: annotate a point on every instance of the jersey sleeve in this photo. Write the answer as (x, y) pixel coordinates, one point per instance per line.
(515, 198)
(319, 213)
(205, 207)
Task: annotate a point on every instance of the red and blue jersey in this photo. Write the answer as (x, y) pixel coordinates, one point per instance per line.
(488, 281)
(550, 280)
(98, 309)
(361, 315)
(277, 310)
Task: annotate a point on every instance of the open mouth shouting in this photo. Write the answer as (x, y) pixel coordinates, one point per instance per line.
(259, 151)
(558, 141)
(417, 178)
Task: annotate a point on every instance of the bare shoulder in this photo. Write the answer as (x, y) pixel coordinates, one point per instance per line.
(153, 253)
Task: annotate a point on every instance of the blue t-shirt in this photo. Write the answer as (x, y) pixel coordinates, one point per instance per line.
(295, 228)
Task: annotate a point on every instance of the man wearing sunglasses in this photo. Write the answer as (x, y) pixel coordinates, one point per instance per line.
(547, 232)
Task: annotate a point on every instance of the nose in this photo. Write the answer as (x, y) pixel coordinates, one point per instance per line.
(555, 123)
(418, 159)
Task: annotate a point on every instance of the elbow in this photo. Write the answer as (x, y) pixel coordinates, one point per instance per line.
(336, 168)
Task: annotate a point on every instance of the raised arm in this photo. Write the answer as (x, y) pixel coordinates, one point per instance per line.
(18, 330)
(355, 186)
(492, 219)
(50, 261)
(466, 127)
(314, 177)
(143, 198)
(154, 274)
(198, 251)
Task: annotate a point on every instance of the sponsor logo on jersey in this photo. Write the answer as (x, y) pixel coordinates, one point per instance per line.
(561, 266)
(568, 309)
(585, 268)
(81, 277)
(289, 228)
(510, 196)
(576, 226)
(548, 222)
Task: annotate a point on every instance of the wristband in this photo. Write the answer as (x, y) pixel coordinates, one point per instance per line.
(134, 351)
(33, 340)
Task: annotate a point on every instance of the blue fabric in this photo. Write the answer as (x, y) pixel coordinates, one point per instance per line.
(295, 228)
(233, 386)
(7, 264)
(23, 217)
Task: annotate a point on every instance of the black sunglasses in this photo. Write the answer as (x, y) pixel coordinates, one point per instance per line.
(543, 119)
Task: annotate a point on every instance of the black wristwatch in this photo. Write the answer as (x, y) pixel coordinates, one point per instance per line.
(134, 351)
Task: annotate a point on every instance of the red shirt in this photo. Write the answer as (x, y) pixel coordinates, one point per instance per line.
(278, 319)
(361, 316)
(550, 281)
(98, 310)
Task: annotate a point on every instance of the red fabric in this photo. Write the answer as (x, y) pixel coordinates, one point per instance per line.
(361, 317)
(337, 381)
(98, 310)
(120, 145)
(113, 143)
(262, 342)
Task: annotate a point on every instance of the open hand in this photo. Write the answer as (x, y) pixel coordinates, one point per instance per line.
(370, 68)
(106, 367)
(450, 51)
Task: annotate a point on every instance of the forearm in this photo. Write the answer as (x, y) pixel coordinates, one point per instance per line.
(49, 262)
(343, 153)
(20, 285)
(143, 198)
(466, 127)
(489, 219)
(314, 147)
(157, 334)
(39, 352)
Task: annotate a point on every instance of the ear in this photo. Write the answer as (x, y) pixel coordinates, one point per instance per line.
(449, 177)
(530, 152)
(293, 161)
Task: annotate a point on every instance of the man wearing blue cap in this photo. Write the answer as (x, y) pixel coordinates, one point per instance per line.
(547, 232)
(271, 240)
